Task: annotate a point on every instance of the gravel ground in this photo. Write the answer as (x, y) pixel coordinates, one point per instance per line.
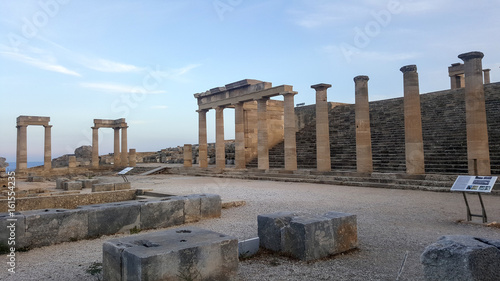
(390, 223)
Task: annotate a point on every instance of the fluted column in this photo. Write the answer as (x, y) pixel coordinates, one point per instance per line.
(116, 153)
(124, 160)
(487, 76)
(262, 134)
(95, 147)
(364, 162)
(220, 146)
(47, 151)
(202, 138)
(322, 128)
(21, 153)
(289, 134)
(239, 135)
(414, 144)
(478, 153)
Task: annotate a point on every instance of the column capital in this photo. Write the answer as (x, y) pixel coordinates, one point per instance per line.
(263, 99)
(202, 110)
(289, 93)
(47, 126)
(20, 126)
(471, 55)
(408, 68)
(361, 78)
(94, 128)
(486, 70)
(321, 87)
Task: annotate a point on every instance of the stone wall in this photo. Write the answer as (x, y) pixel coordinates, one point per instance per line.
(68, 201)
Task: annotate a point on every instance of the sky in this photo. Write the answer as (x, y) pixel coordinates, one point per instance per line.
(75, 61)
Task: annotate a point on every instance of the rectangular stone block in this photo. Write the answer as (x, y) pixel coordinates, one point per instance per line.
(111, 218)
(122, 185)
(306, 236)
(103, 187)
(210, 206)
(174, 254)
(192, 207)
(13, 230)
(87, 183)
(161, 213)
(52, 226)
(269, 229)
(35, 179)
(60, 181)
(72, 185)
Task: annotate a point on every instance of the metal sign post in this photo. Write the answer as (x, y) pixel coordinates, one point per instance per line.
(123, 172)
(475, 184)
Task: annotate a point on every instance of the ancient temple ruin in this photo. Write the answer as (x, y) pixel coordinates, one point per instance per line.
(21, 153)
(120, 159)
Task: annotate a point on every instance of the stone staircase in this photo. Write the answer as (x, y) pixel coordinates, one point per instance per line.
(443, 126)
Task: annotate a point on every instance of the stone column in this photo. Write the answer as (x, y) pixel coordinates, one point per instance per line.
(72, 162)
(262, 135)
(202, 138)
(131, 157)
(95, 147)
(220, 146)
(414, 144)
(116, 153)
(487, 76)
(22, 156)
(290, 140)
(364, 161)
(478, 153)
(188, 155)
(124, 160)
(47, 152)
(322, 128)
(239, 135)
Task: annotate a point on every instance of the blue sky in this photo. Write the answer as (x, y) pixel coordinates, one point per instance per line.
(143, 60)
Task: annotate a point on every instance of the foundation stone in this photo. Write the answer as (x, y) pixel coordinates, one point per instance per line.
(72, 185)
(461, 257)
(174, 254)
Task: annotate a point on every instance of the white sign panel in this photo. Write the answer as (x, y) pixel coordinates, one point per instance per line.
(474, 183)
(124, 171)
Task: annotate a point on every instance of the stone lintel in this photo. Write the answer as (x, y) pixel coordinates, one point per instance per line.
(408, 68)
(321, 86)
(226, 98)
(361, 78)
(106, 123)
(242, 83)
(456, 69)
(471, 55)
(32, 120)
(217, 90)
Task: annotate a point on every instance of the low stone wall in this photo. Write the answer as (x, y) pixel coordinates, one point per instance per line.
(39, 228)
(69, 201)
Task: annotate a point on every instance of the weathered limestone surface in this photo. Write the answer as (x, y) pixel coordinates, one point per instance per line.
(188, 155)
(6, 227)
(122, 185)
(306, 236)
(35, 179)
(164, 212)
(72, 185)
(478, 153)
(364, 162)
(21, 152)
(72, 161)
(110, 218)
(103, 187)
(43, 227)
(87, 183)
(174, 254)
(461, 257)
(322, 128)
(119, 158)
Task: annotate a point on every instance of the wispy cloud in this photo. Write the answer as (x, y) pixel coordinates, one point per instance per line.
(112, 88)
(46, 63)
(104, 65)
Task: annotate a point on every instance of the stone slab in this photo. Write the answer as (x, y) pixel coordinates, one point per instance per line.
(35, 179)
(162, 212)
(111, 218)
(72, 185)
(461, 257)
(175, 254)
(16, 231)
(60, 181)
(52, 226)
(307, 236)
(248, 247)
(210, 206)
(87, 183)
(122, 186)
(103, 187)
